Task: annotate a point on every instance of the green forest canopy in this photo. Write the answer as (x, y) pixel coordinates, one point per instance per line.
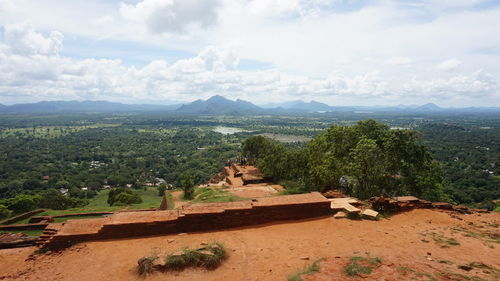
(370, 158)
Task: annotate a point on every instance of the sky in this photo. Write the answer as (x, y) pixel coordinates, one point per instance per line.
(340, 52)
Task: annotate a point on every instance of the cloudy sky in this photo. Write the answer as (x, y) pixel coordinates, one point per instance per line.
(341, 52)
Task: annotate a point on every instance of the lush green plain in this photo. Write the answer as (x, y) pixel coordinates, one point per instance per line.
(71, 151)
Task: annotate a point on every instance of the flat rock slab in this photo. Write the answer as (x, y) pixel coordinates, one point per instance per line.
(348, 200)
(370, 213)
(406, 199)
(344, 206)
(339, 215)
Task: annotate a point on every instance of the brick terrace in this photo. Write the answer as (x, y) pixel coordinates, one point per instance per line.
(197, 217)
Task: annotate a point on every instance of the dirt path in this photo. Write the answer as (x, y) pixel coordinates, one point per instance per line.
(273, 252)
(177, 199)
(253, 191)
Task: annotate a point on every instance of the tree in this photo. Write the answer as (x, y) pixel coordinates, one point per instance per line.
(123, 196)
(22, 203)
(367, 168)
(256, 147)
(62, 184)
(53, 199)
(161, 189)
(372, 158)
(4, 212)
(32, 184)
(187, 182)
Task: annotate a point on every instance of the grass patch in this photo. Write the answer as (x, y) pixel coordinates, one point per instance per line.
(170, 200)
(209, 257)
(145, 265)
(405, 270)
(353, 216)
(461, 277)
(149, 196)
(313, 268)
(488, 236)
(491, 270)
(63, 219)
(36, 232)
(361, 265)
(210, 195)
(443, 241)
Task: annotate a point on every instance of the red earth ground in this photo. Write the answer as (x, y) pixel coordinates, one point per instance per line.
(414, 245)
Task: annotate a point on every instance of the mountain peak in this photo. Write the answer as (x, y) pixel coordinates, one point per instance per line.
(217, 98)
(429, 106)
(219, 105)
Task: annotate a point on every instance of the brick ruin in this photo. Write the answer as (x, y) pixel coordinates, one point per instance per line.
(197, 217)
(406, 203)
(236, 175)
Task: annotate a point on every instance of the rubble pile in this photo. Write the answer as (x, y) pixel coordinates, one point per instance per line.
(14, 240)
(406, 203)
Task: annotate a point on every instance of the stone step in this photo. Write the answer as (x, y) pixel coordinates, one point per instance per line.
(344, 207)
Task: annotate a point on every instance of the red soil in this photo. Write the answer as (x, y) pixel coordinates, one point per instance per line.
(273, 252)
(255, 190)
(178, 202)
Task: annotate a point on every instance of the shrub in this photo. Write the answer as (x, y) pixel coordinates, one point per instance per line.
(145, 265)
(293, 187)
(187, 182)
(313, 268)
(161, 189)
(53, 199)
(123, 196)
(361, 265)
(22, 203)
(209, 257)
(4, 212)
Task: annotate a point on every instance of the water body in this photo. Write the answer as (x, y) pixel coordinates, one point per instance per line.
(227, 130)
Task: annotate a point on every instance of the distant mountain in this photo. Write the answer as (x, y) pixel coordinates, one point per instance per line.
(82, 106)
(220, 105)
(428, 107)
(301, 106)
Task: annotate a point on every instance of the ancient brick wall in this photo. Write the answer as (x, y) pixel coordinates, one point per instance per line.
(22, 216)
(202, 217)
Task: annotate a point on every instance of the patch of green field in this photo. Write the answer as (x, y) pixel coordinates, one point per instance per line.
(150, 199)
(27, 232)
(208, 195)
(24, 221)
(50, 131)
(63, 219)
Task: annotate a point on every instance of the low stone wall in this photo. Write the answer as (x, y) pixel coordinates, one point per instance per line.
(22, 216)
(199, 217)
(20, 227)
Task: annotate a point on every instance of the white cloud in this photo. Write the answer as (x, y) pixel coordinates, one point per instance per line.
(399, 61)
(45, 76)
(23, 40)
(337, 51)
(103, 20)
(448, 65)
(6, 6)
(274, 7)
(172, 16)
